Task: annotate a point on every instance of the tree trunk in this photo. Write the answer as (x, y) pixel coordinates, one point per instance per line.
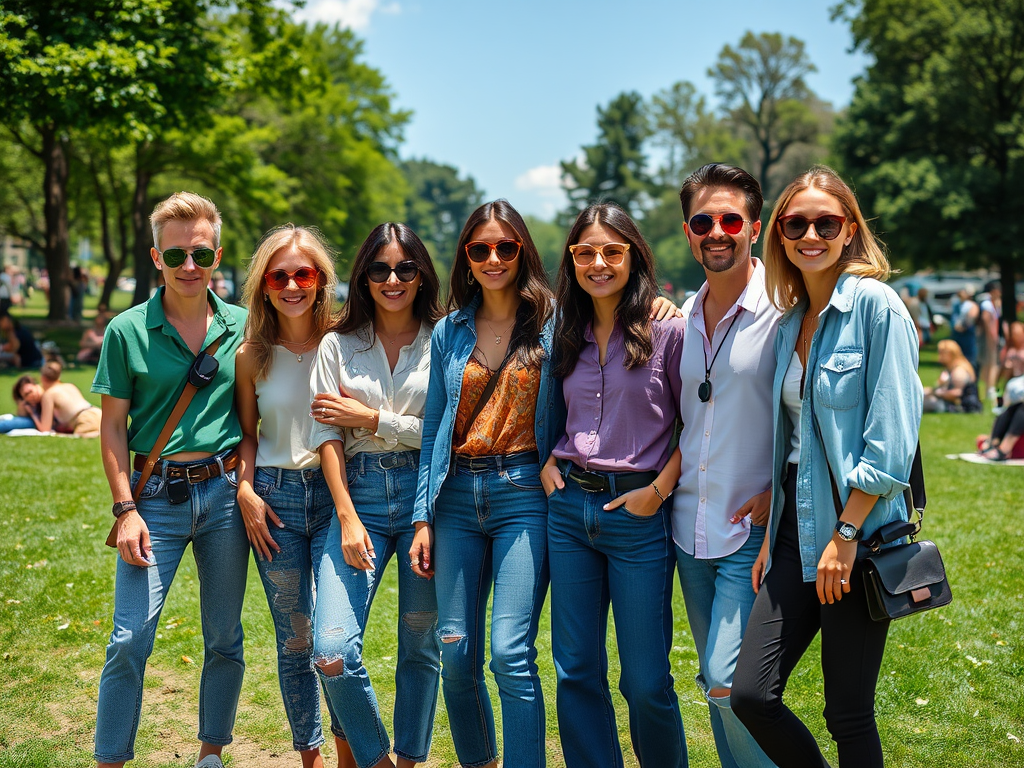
(1008, 281)
(141, 229)
(55, 213)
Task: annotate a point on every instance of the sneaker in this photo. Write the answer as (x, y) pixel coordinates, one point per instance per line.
(210, 761)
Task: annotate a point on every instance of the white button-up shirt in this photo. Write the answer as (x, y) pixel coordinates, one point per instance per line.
(726, 443)
(357, 365)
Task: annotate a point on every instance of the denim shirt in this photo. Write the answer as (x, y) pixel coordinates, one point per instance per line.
(451, 345)
(862, 395)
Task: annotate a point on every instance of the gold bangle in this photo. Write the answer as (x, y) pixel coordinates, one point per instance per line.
(658, 492)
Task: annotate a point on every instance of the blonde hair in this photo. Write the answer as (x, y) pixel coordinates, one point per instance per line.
(185, 206)
(864, 256)
(957, 357)
(261, 326)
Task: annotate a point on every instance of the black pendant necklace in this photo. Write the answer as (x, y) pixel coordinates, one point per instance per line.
(704, 389)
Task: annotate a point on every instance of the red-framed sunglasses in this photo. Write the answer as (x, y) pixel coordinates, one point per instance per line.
(304, 277)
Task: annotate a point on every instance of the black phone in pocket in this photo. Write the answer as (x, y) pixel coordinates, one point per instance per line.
(177, 490)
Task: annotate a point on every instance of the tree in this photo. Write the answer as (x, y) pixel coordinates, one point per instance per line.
(614, 168)
(934, 136)
(438, 203)
(690, 134)
(761, 84)
(122, 65)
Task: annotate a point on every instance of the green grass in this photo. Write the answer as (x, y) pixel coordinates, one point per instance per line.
(950, 692)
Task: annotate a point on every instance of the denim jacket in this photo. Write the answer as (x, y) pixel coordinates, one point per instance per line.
(451, 345)
(862, 395)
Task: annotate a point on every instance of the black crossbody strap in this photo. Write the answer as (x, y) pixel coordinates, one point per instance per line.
(492, 383)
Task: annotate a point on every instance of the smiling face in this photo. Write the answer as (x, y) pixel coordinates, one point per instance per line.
(813, 253)
(393, 295)
(31, 393)
(187, 280)
(290, 301)
(493, 274)
(601, 280)
(718, 251)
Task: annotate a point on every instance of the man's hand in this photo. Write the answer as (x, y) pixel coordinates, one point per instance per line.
(133, 540)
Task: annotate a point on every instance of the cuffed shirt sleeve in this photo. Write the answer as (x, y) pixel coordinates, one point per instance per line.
(397, 427)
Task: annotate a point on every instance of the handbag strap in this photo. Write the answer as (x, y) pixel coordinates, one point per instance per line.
(915, 496)
(485, 396)
(184, 399)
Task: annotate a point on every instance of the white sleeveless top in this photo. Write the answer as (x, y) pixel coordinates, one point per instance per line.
(285, 424)
(792, 401)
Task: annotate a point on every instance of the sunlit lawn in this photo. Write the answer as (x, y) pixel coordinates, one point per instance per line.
(950, 693)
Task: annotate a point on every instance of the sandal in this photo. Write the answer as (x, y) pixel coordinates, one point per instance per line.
(994, 454)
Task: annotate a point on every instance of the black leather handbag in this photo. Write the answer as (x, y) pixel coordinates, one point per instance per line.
(906, 578)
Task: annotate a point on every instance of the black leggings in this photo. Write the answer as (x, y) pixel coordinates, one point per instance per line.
(1009, 423)
(785, 618)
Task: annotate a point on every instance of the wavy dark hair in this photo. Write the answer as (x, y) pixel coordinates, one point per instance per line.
(532, 281)
(576, 307)
(359, 310)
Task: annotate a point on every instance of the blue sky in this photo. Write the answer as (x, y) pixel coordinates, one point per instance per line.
(504, 90)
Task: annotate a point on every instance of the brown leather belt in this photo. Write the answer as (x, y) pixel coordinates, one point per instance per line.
(193, 471)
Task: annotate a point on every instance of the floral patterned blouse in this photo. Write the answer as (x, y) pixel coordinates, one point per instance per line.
(506, 423)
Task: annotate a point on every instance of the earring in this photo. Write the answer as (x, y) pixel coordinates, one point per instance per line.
(266, 297)
(471, 279)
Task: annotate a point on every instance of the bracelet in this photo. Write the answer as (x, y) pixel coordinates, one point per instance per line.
(663, 498)
(120, 507)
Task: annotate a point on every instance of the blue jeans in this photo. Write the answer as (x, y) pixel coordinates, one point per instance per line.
(383, 489)
(490, 530)
(719, 598)
(302, 501)
(212, 522)
(15, 422)
(612, 557)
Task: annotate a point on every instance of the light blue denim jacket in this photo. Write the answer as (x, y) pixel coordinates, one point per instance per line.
(863, 389)
(451, 345)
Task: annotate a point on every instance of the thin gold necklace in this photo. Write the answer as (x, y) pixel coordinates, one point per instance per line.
(288, 344)
(497, 336)
(391, 341)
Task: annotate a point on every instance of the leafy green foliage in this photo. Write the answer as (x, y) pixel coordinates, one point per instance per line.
(438, 202)
(612, 169)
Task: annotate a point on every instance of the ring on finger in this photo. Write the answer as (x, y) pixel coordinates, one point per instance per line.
(843, 581)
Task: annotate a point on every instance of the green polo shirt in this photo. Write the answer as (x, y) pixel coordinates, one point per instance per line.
(145, 360)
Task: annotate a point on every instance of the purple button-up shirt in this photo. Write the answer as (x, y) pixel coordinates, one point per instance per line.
(621, 420)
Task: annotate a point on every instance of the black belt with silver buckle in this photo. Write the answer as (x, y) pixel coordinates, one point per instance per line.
(601, 482)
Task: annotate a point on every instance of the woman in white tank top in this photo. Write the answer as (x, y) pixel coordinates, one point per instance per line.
(285, 502)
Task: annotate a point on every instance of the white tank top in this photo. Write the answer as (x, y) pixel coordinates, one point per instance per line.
(791, 399)
(285, 424)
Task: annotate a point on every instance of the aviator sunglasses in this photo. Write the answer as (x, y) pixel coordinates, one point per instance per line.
(702, 223)
(380, 271)
(612, 254)
(203, 257)
(828, 227)
(304, 277)
(479, 251)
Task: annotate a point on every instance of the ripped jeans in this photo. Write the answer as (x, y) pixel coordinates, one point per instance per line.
(719, 598)
(383, 488)
(490, 532)
(302, 500)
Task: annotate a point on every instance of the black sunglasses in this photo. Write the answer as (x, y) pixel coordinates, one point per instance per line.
(380, 271)
(828, 226)
(203, 257)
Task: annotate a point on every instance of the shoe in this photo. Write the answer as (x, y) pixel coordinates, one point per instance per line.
(210, 761)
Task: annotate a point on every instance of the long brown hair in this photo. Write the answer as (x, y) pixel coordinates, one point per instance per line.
(864, 256)
(262, 331)
(532, 281)
(576, 307)
(360, 309)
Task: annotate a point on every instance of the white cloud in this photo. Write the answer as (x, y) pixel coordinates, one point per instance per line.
(544, 180)
(544, 185)
(354, 14)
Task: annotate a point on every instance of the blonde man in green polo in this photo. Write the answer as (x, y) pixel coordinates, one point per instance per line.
(146, 356)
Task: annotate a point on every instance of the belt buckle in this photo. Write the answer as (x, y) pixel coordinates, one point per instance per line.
(590, 482)
(392, 461)
(193, 479)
